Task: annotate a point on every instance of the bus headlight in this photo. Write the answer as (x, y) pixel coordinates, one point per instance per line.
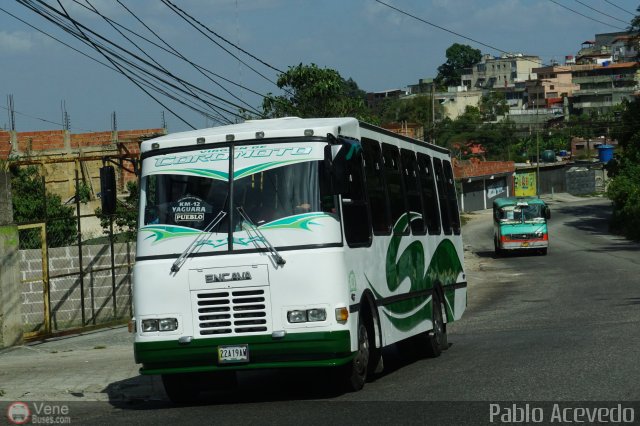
(168, 324)
(149, 325)
(316, 314)
(297, 316)
(159, 324)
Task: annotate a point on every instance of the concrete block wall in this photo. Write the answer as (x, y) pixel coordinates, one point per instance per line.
(65, 286)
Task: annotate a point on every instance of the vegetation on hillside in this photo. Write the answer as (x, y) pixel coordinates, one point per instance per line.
(624, 188)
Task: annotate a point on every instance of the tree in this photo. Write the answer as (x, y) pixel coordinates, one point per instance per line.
(492, 105)
(635, 22)
(416, 109)
(459, 57)
(624, 188)
(311, 91)
(31, 203)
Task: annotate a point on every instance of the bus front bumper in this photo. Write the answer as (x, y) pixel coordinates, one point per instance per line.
(525, 245)
(316, 349)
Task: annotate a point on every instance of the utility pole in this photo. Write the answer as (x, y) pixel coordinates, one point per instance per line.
(537, 141)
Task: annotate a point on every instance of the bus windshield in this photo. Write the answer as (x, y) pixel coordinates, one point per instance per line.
(284, 199)
(529, 213)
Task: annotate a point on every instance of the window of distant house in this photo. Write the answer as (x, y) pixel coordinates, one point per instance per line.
(551, 87)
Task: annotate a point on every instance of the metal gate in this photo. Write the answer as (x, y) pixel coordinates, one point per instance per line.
(36, 310)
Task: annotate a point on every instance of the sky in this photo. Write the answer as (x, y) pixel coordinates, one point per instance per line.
(244, 45)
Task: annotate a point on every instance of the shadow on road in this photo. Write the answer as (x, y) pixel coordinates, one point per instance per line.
(254, 386)
(591, 218)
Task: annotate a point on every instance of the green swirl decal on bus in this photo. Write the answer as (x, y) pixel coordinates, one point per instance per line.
(444, 268)
(251, 170)
(301, 221)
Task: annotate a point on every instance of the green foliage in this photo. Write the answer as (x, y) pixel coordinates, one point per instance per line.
(624, 188)
(84, 192)
(492, 105)
(311, 91)
(417, 109)
(31, 203)
(459, 57)
(125, 218)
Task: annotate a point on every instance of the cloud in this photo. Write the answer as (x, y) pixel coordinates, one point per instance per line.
(15, 42)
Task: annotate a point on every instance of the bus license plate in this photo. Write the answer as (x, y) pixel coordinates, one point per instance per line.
(525, 244)
(235, 353)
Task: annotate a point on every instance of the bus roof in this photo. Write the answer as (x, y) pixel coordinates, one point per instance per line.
(511, 201)
(271, 128)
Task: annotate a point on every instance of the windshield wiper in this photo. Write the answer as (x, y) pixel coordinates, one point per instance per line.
(206, 232)
(279, 260)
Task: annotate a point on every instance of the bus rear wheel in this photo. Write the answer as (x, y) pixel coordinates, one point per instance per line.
(433, 342)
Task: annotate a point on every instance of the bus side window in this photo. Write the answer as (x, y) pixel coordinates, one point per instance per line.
(412, 184)
(452, 200)
(442, 196)
(373, 166)
(395, 188)
(429, 195)
(357, 226)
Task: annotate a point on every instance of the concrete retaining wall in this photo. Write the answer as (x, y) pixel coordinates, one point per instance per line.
(65, 283)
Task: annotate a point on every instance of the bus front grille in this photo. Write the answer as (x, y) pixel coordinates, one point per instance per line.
(228, 312)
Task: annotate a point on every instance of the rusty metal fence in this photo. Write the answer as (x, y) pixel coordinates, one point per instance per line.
(75, 264)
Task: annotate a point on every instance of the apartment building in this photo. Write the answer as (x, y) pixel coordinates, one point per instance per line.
(604, 86)
(501, 72)
(553, 84)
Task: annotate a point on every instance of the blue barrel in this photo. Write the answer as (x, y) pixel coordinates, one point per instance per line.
(563, 153)
(605, 153)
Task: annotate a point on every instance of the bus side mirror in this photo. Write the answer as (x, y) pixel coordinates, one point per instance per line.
(547, 212)
(108, 190)
(336, 165)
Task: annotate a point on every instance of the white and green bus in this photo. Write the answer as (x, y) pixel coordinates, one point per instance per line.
(292, 243)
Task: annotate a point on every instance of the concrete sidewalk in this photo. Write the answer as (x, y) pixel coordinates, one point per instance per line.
(92, 366)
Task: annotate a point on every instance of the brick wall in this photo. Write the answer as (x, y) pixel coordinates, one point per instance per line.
(474, 168)
(64, 286)
(57, 150)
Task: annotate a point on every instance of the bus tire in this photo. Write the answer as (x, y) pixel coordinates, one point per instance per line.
(496, 248)
(435, 341)
(543, 251)
(181, 388)
(354, 374)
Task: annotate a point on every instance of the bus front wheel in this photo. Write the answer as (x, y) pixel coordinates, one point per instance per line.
(354, 374)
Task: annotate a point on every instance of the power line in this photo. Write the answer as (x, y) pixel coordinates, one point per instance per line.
(190, 20)
(602, 13)
(153, 60)
(44, 120)
(82, 36)
(168, 2)
(624, 10)
(440, 27)
(585, 16)
(176, 97)
(121, 71)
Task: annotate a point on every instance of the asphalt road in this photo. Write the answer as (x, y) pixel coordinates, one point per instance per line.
(561, 327)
